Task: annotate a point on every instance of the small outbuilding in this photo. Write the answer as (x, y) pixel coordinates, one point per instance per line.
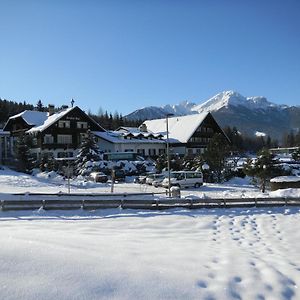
(285, 182)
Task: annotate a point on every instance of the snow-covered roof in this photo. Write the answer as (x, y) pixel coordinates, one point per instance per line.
(118, 137)
(51, 120)
(129, 129)
(180, 128)
(31, 117)
(285, 179)
(136, 132)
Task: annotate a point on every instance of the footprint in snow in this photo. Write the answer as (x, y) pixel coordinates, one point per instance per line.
(202, 284)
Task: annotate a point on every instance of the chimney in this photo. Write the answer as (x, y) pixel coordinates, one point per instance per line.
(50, 109)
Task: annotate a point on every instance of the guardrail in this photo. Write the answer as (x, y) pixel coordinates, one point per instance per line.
(89, 203)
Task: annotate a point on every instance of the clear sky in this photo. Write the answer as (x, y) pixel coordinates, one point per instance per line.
(127, 54)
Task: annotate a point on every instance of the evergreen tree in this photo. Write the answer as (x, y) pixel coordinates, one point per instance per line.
(215, 155)
(297, 139)
(40, 106)
(23, 156)
(289, 139)
(88, 153)
(263, 169)
(100, 112)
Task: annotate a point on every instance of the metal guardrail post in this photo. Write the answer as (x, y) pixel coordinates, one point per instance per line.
(224, 202)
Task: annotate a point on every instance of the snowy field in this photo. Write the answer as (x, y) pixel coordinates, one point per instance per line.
(138, 254)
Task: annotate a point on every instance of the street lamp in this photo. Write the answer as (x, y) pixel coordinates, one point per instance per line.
(168, 154)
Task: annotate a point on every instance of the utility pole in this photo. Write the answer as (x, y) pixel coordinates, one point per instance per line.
(168, 155)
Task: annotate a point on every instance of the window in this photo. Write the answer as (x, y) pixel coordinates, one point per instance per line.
(141, 151)
(64, 154)
(64, 124)
(161, 151)
(64, 139)
(196, 139)
(48, 139)
(152, 152)
(82, 125)
(47, 154)
(190, 151)
(128, 150)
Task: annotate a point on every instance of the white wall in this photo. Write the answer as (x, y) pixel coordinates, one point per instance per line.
(124, 147)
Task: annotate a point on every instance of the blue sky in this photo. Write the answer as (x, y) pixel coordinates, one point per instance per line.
(127, 54)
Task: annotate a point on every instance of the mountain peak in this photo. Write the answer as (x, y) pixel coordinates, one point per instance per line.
(233, 98)
(223, 99)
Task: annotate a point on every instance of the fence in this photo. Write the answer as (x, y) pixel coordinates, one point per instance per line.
(133, 201)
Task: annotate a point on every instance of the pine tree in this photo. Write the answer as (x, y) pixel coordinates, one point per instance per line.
(264, 168)
(40, 106)
(215, 155)
(22, 150)
(88, 153)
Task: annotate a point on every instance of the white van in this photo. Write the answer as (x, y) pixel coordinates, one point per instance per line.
(184, 179)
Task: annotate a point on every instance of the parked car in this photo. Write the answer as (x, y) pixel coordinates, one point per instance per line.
(98, 177)
(119, 175)
(158, 182)
(150, 178)
(155, 179)
(184, 179)
(142, 178)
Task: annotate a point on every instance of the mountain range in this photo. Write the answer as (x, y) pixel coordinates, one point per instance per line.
(250, 115)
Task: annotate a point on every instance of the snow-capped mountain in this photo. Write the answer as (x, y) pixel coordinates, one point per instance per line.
(248, 114)
(231, 98)
(181, 109)
(155, 112)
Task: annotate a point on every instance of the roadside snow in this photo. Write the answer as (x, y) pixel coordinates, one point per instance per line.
(174, 254)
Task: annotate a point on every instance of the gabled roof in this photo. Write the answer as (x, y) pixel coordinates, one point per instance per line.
(180, 128)
(31, 117)
(51, 120)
